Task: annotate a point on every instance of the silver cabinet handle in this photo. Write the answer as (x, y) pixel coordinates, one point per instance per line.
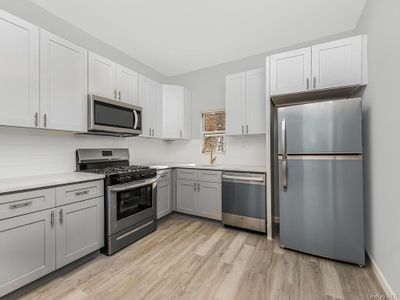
(61, 216)
(308, 83)
(152, 132)
(119, 95)
(315, 82)
(81, 193)
(45, 120)
(52, 218)
(194, 186)
(115, 94)
(198, 186)
(149, 131)
(242, 129)
(247, 128)
(36, 119)
(180, 133)
(19, 205)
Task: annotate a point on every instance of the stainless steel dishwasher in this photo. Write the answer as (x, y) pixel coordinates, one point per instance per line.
(243, 200)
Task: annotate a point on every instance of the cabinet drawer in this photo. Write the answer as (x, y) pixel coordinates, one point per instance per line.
(210, 176)
(186, 174)
(163, 175)
(17, 204)
(77, 192)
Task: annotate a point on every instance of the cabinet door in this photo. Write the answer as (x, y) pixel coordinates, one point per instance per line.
(145, 103)
(155, 108)
(172, 110)
(255, 101)
(209, 201)
(164, 204)
(80, 228)
(291, 72)
(27, 249)
(127, 85)
(19, 72)
(235, 107)
(102, 76)
(337, 63)
(186, 196)
(187, 114)
(63, 83)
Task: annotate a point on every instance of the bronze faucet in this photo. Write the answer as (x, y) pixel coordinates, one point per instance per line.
(212, 156)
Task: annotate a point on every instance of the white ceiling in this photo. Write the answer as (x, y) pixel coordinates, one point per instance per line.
(179, 36)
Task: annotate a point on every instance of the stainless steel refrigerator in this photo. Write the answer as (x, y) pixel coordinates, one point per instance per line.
(321, 179)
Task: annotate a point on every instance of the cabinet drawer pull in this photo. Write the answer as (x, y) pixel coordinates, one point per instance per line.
(82, 193)
(19, 205)
(61, 216)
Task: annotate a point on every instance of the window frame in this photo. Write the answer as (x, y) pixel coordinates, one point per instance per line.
(215, 133)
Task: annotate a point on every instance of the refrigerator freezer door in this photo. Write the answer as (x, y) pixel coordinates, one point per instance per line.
(321, 211)
(322, 128)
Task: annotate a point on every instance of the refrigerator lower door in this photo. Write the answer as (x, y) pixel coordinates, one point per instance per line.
(321, 210)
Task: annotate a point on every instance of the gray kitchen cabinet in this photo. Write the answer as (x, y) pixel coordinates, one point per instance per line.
(164, 193)
(27, 249)
(186, 194)
(208, 202)
(79, 230)
(164, 204)
(201, 196)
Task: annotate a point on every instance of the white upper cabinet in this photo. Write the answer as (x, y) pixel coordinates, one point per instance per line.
(63, 83)
(235, 103)
(339, 63)
(155, 108)
(245, 102)
(102, 76)
(111, 80)
(255, 101)
(176, 112)
(19, 72)
(291, 72)
(127, 85)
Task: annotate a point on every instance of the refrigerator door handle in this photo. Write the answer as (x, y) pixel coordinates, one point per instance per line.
(285, 174)
(284, 157)
(283, 128)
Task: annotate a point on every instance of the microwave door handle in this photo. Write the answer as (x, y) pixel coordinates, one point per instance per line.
(132, 186)
(136, 119)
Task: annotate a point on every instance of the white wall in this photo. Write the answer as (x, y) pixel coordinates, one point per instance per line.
(381, 104)
(25, 152)
(240, 150)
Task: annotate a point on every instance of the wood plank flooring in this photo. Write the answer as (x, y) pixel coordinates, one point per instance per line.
(190, 258)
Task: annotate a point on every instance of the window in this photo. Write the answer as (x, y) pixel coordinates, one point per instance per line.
(213, 124)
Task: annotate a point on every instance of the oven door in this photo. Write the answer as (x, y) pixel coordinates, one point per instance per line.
(108, 115)
(130, 203)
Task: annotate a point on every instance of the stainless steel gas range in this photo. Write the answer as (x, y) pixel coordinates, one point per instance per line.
(130, 195)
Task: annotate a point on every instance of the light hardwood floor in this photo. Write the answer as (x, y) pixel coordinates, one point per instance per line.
(190, 258)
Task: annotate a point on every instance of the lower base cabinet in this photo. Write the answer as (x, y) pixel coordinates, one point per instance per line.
(27, 249)
(79, 230)
(199, 198)
(35, 243)
(164, 201)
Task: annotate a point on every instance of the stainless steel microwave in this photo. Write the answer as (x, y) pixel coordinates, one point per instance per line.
(112, 117)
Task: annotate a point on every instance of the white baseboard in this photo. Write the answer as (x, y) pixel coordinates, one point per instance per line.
(390, 294)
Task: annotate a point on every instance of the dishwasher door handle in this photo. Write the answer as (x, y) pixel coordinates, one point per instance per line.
(242, 178)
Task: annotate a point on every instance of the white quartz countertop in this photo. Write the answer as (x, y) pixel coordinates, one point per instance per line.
(16, 184)
(217, 167)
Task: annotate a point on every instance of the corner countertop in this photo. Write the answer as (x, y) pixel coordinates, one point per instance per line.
(216, 167)
(23, 183)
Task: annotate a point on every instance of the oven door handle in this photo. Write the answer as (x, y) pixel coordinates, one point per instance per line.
(132, 186)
